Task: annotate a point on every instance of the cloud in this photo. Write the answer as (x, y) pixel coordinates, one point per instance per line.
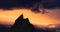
(17, 3)
(53, 4)
(10, 4)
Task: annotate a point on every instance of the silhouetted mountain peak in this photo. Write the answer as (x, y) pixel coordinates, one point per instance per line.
(22, 25)
(20, 17)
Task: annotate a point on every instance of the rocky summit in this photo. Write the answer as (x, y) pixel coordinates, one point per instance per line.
(22, 25)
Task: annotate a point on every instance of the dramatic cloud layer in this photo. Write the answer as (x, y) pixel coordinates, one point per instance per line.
(9, 4)
(17, 3)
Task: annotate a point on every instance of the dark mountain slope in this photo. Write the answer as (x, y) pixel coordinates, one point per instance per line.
(22, 25)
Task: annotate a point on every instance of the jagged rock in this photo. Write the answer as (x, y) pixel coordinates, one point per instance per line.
(22, 25)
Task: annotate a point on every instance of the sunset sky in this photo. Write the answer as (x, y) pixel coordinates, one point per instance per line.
(9, 16)
(9, 12)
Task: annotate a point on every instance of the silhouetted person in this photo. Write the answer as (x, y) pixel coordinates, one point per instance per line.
(22, 25)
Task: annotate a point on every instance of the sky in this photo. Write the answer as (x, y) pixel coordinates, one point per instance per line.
(9, 16)
(9, 12)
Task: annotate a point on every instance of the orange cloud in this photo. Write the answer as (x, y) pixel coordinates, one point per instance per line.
(8, 17)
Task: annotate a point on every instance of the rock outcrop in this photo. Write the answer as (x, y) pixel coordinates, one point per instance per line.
(22, 25)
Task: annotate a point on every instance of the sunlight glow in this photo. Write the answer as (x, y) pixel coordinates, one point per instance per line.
(9, 16)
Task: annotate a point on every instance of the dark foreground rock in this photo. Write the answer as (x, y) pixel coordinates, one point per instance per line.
(22, 25)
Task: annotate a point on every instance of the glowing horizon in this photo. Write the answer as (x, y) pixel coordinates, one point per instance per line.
(8, 17)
